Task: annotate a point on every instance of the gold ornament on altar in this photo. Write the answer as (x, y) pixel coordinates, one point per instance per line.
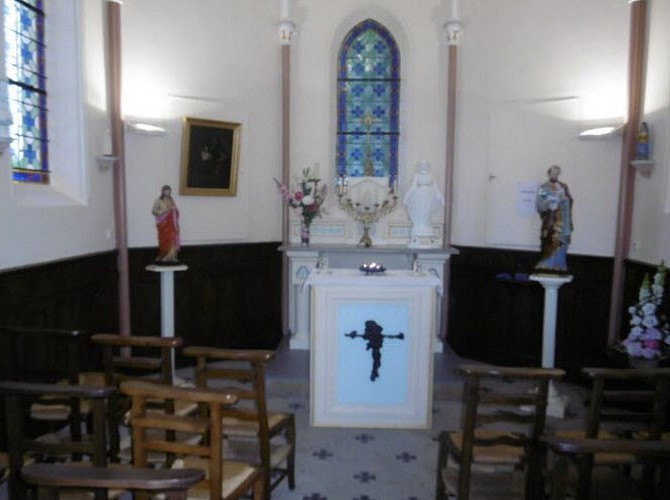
(367, 201)
(364, 204)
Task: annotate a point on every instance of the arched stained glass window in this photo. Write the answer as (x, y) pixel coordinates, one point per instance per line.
(368, 80)
(24, 53)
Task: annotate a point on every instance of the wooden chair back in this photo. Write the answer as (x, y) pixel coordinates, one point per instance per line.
(628, 399)
(518, 402)
(136, 357)
(171, 484)
(67, 348)
(20, 395)
(244, 371)
(626, 417)
(224, 480)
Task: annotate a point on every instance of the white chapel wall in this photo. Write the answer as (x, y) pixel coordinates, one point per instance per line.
(221, 60)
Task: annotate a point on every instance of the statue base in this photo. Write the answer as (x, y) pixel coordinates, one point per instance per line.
(550, 272)
(166, 263)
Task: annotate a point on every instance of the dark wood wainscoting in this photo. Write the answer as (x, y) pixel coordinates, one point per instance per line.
(230, 296)
(496, 313)
(78, 293)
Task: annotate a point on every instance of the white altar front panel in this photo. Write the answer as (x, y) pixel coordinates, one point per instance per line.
(303, 260)
(371, 349)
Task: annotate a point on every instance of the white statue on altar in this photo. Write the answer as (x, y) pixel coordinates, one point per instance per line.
(421, 199)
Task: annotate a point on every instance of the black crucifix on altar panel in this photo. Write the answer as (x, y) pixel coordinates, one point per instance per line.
(375, 338)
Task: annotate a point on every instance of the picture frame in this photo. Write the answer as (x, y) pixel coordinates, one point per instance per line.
(210, 157)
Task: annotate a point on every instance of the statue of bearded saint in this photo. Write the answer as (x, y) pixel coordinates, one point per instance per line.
(554, 204)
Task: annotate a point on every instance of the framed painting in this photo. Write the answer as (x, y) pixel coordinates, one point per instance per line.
(209, 158)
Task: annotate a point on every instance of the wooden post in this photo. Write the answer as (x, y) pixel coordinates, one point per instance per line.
(636, 58)
(118, 150)
(286, 29)
(453, 29)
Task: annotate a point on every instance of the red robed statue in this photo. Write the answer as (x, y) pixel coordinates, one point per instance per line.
(167, 223)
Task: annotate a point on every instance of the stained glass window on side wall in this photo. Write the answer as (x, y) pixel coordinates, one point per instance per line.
(368, 100)
(24, 59)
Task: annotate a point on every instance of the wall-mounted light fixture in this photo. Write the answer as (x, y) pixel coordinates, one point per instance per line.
(144, 128)
(601, 131)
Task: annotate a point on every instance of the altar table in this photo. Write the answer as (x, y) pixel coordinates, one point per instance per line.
(371, 356)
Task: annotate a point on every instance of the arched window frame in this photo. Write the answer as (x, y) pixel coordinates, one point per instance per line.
(25, 59)
(361, 142)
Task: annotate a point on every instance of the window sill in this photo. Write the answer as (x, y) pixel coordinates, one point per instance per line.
(40, 195)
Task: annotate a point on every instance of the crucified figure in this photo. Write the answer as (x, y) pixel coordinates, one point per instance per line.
(373, 334)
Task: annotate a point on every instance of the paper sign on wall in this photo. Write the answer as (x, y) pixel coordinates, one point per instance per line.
(526, 191)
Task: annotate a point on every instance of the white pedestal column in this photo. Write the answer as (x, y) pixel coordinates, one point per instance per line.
(167, 298)
(557, 403)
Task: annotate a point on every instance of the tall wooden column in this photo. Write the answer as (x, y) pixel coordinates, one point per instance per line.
(636, 59)
(286, 30)
(453, 29)
(118, 150)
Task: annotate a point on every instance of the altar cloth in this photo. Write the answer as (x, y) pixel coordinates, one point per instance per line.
(390, 277)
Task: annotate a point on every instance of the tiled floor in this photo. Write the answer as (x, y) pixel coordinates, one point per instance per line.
(359, 464)
(382, 464)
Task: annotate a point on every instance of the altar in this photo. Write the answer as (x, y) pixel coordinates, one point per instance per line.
(303, 260)
(371, 356)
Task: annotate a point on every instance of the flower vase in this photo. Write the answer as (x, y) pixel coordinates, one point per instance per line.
(643, 363)
(304, 233)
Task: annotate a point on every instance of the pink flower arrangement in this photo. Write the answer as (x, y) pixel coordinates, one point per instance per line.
(649, 335)
(307, 197)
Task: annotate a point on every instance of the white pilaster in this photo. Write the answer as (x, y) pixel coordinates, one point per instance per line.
(300, 265)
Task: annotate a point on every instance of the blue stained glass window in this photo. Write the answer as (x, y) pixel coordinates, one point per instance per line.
(368, 80)
(24, 59)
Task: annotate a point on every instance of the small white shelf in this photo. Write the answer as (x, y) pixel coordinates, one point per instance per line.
(643, 166)
(643, 163)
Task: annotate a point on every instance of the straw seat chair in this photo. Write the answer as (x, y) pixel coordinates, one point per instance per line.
(624, 427)
(274, 431)
(64, 365)
(504, 415)
(137, 357)
(21, 445)
(224, 479)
